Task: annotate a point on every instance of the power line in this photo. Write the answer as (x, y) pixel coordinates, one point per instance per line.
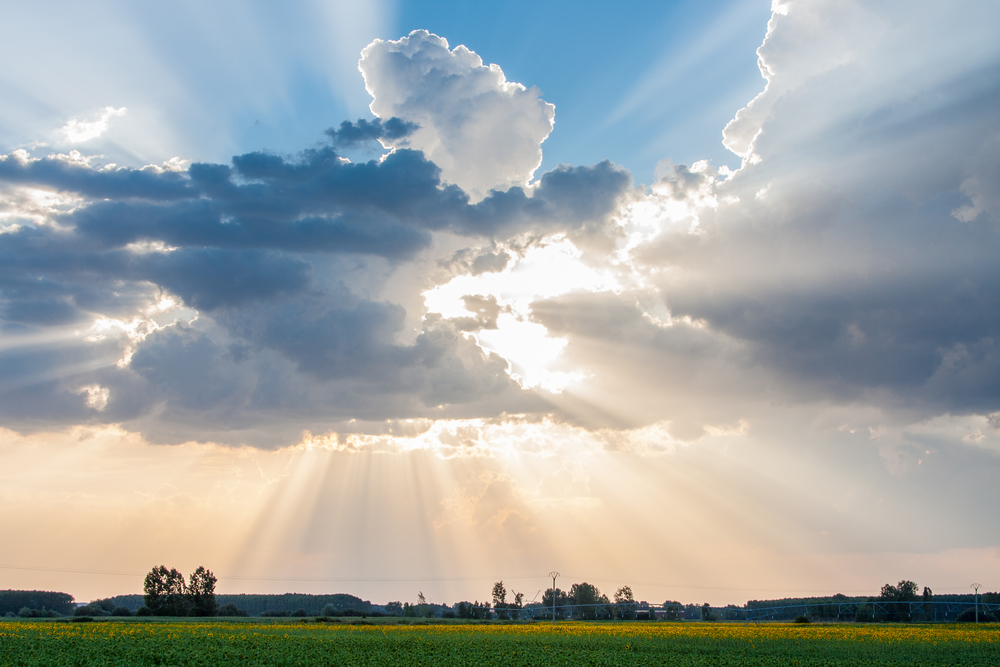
(446, 579)
(252, 578)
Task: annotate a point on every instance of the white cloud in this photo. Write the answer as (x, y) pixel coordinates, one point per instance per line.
(79, 131)
(483, 131)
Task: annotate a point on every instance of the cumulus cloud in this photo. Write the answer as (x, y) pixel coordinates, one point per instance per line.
(484, 132)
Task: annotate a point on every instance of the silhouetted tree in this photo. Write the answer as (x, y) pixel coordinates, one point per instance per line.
(201, 593)
(562, 600)
(500, 599)
(624, 603)
(586, 598)
(899, 597)
(164, 592)
(167, 594)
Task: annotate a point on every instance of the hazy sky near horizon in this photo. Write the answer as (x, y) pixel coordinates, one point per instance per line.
(388, 297)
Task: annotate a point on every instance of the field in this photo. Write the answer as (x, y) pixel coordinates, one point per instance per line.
(279, 642)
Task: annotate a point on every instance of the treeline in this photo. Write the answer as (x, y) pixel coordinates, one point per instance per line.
(900, 603)
(256, 604)
(35, 603)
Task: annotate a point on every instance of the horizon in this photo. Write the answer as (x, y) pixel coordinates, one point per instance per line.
(688, 296)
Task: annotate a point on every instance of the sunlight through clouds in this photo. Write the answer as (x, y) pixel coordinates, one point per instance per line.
(396, 345)
(549, 269)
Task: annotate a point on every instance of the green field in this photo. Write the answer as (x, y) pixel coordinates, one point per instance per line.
(257, 642)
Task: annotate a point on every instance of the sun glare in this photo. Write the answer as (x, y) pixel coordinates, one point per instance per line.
(548, 270)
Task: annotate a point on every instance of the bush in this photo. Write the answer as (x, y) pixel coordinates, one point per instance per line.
(143, 611)
(26, 613)
(969, 616)
(230, 609)
(299, 613)
(121, 611)
(801, 619)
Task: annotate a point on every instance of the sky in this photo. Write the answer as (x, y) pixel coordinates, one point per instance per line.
(701, 298)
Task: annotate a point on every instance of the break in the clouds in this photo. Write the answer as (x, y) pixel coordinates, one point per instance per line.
(850, 261)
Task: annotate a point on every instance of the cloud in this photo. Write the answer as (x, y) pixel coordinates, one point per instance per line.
(484, 132)
(77, 132)
(353, 134)
(271, 269)
(835, 266)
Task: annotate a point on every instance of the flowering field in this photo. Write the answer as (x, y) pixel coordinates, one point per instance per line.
(135, 642)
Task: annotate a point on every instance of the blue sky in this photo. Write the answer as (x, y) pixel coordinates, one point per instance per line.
(634, 82)
(749, 328)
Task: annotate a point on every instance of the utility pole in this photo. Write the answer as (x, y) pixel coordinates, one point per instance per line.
(975, 587)
(553, 574)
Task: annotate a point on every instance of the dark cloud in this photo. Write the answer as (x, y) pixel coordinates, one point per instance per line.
(353, 134)
(282, 342)
(61, 173)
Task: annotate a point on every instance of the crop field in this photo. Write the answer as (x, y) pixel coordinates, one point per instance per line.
(213, 642)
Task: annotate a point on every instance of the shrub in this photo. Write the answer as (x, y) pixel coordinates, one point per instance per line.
(230, 609)
(299, 613)
(969, 616)
(121, 611)
(802, 619)
(143, 611)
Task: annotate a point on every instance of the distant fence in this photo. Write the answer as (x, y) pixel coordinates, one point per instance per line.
(867, 610)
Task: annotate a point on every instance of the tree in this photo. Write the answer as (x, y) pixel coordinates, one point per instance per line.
(423, 609)
(586, 598)
(624, 603)
(504, 609)
(201, 593)
(899, 597)
(394, 608)
(499, 594)
(165, 592)
(927, 598)
(562, 600)
(518, 603)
